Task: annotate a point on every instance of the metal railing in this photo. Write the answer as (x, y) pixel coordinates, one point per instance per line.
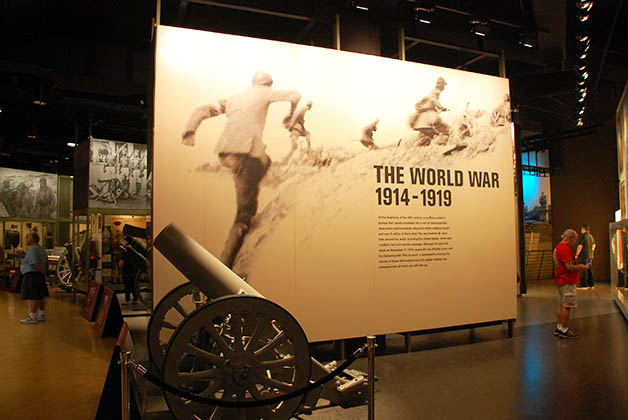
(539, 264)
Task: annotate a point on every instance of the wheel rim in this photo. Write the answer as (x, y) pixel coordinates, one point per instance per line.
(167, 315)
(64, 271)
(237, 348)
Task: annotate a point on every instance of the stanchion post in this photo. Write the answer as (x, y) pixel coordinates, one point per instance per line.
(370, 343)
(124, 378)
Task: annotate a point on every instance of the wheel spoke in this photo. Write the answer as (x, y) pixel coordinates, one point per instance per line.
(236, 329)
(273, 344)
(211, 329)
(283, 362)
(209, 392)
(217, 414)
(199, 375)
(168, 325)
(273, 383)
(204, 354)
(180, 309)
(257, 332)
(254, 392)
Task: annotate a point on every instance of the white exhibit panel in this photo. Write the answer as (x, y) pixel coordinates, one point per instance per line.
(118, 175)
(28, 194)
(399, 216)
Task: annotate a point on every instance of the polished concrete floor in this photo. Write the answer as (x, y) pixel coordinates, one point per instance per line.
(52, 370)
(57, 370)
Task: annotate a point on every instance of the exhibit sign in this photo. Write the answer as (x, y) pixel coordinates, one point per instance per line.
(28, 194)
(118, 175)
(365, 195)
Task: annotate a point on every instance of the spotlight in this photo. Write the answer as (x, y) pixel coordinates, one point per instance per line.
(480, 27)
(580, 122)
(585, 5)
(527, 40)
(422, 16)
(359, 4)
(584, 47)
(584, 16)
(581, 66)
(581, 112)
(582, 90)
(71, 144)
(582, 55)
(583, 38)
(581, 98)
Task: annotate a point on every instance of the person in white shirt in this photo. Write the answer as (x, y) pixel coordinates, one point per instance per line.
(241, 149)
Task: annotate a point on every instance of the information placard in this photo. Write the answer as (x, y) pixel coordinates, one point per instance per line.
(92, 299)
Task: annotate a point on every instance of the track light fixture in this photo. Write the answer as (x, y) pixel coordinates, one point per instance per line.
(580, 122)
(423, 16)
(527, 40)
(584, 5)
(359, 4)
(480, 27)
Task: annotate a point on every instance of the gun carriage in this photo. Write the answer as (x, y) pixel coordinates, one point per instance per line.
(219, 338)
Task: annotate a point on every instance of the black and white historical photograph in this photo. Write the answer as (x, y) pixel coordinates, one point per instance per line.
(28, 195)
(295, 156)
(118, 175)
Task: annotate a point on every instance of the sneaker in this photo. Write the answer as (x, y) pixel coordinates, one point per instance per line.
(41, 318)
(568, 334)
(556, 332)
(29, 320)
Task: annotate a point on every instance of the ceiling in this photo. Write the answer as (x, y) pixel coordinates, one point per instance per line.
(73, 69)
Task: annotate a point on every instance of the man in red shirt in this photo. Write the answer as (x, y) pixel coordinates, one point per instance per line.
(566, 277)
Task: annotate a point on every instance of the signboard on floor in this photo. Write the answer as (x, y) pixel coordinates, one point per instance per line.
(365, 195)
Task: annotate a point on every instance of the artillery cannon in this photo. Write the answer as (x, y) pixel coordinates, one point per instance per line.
(217, 337)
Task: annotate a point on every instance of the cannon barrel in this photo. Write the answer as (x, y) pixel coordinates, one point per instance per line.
(198, 265)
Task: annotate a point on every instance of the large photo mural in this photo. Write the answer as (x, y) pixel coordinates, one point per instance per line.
(118, 175)
(365, 195)
(27, 194)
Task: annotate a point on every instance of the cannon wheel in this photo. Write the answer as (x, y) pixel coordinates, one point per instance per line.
(64, 271)
(237, 348)
(167, 315)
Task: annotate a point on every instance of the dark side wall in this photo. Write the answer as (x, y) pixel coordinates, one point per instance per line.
(585, 190)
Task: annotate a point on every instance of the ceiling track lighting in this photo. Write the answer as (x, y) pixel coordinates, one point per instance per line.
(527, 40)
(359, 4)
(580, 122)
(585, 5)
(423, 16)
(480, 27)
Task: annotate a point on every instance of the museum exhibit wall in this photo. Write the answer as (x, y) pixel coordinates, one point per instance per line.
(380, 227)
(585, 184)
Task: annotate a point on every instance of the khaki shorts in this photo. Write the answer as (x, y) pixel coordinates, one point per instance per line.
(567, 295)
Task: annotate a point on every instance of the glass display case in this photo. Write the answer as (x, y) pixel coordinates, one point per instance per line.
(618, 236)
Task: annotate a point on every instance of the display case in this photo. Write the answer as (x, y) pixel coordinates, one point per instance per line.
(618, 236)
(101, 241)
